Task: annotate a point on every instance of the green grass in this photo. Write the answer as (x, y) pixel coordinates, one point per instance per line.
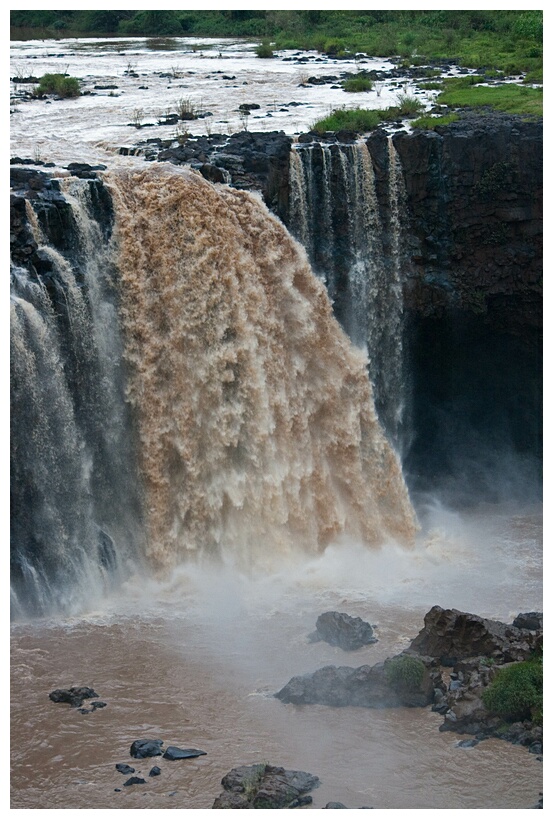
(358, 119)
(367, 119)
(513, 99)
(428, 123)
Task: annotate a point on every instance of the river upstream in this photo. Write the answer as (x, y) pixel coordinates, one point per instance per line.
(193, 654)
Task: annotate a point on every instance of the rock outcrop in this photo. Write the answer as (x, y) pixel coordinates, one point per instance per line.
(265, 786)
(339, 629)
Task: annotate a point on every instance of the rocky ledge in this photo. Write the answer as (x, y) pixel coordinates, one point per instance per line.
(449, 665)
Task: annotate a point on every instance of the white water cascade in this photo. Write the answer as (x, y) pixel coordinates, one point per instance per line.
(354, 244)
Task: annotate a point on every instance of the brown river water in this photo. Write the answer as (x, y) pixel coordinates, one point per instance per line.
(194, 660)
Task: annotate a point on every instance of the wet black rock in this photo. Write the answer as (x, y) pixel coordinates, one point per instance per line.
(265, 786)
(339, 629)
(93, 707)
(143, 748)
(123, 768)
(135, 780)
(155, 771)
(173, 753)
(334, 806)
(84, 171)
(532, 620)
(365, 687)
(453, 635)
(75, 696)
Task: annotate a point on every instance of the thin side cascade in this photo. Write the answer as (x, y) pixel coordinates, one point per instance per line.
(356, 251)
(257, 430)
(74, 510)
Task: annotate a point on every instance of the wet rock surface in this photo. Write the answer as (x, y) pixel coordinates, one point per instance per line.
(339, 629)
(365, 687)
(144, 748)
(265, 786)
(75, 696)
(452, 635)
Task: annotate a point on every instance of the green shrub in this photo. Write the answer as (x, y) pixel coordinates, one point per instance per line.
(516, 693)
(264, 50)
(357, 84)
(404, 673)
(59, 84)
(409, 106)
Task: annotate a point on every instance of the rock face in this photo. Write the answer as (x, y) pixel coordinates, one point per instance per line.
(452, 635)
(265, 786)
(339, 629)
(366, 687)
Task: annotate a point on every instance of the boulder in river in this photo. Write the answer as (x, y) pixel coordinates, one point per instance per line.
(75, 696)
(264, 786)
(143, 748)
(339, 629)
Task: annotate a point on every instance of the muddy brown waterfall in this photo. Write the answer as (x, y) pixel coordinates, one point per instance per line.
(257, 429)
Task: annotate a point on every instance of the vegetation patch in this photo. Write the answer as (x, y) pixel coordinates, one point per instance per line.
(509, 40)
(404, 673)
(264, 50)
(357, 84)
(511, 98)
(516, 693)
(358, 119)
(429, 123)
(60, 84)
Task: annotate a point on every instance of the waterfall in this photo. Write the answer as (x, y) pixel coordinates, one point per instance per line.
(354, 244)
(257, 428)
(181, 387)
(74, 501)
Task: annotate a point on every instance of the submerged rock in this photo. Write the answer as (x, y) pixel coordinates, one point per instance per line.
(339, 629)
(135, 780)
(123, 768)
(75, 696)
(265, 786)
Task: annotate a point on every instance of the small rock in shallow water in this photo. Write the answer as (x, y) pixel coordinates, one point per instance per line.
(135, 780)
(467, 743)
(173, 753)
(334, 805)
(123, 768)
(155, 771)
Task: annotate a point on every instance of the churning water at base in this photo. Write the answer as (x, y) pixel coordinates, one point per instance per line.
(194, 660)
